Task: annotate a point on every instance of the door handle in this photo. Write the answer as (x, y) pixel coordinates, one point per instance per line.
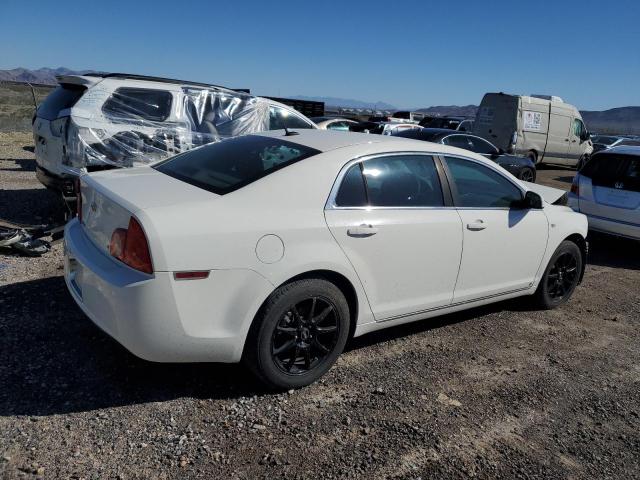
(362, 230)
(573, 141)
(477, 225)
(566, 139)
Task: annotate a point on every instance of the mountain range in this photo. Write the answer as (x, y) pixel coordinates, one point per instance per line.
(620, 120)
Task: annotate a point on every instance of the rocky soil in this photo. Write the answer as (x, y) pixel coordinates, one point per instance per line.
(497, 392)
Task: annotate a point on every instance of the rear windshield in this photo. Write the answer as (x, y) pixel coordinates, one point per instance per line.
(64, 96)
(231, 164)
(614, 171)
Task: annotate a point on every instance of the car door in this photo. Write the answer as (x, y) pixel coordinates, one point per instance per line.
(503, 245)
(557, 148)
(577, 141)
(403, 238)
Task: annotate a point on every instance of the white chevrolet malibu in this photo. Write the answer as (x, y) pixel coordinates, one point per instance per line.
(275, 248)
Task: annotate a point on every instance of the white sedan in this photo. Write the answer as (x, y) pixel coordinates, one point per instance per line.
(276, 248)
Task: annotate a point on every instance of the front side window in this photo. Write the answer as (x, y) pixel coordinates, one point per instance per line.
(460, 141)
(478, 186)
(403, 181)
(139, 103)
(481, 146)
(578, 128)
(228, 165)
(280, 118)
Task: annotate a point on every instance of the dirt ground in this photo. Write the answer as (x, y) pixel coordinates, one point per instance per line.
(497, 392)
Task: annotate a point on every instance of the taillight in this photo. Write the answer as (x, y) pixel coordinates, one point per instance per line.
(78, 199)
(130, 246)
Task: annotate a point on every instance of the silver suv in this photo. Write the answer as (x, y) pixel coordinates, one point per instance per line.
(100, 121)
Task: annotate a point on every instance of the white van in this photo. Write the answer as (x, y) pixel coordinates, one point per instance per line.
(541, 127)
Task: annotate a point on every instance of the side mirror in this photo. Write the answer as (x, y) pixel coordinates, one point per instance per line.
(532, 200)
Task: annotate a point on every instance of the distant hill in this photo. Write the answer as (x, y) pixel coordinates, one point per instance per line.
(46, 76)
(624, 120)
(347, 102)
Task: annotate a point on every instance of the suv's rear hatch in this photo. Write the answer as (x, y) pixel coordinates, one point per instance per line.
(610, 187)
(50, 125)
(497, 119)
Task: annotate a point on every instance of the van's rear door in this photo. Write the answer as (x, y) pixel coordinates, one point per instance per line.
(610, 188)
(50, 123)
(497, 119)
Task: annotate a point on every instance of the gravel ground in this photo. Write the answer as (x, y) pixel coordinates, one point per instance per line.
(496, 392)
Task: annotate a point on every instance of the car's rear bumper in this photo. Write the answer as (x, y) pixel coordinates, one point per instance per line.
(156, 317)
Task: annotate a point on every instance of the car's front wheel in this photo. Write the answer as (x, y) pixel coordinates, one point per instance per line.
(527, 175)
(298, 334)
(560, 277)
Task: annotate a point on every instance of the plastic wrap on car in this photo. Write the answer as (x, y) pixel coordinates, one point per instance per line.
(117, 130)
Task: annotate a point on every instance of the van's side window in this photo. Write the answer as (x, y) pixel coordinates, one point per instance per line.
(139, 103)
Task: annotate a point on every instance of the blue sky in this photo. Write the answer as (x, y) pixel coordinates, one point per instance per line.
(409, 54)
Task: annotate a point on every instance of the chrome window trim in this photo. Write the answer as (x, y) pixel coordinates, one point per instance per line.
(331, 201)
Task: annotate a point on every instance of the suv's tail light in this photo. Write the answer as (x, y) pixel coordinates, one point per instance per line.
(78, 200)
(130, 246)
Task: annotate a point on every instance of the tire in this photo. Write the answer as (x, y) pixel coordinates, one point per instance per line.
(286, 348)
(533, 157)
(560, 277)
(527, 175)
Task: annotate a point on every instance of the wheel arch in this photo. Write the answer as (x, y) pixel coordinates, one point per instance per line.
(582, 244)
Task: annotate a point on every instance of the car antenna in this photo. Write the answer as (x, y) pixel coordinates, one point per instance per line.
(289, 133)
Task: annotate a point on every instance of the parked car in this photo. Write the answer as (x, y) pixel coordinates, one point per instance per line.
(205, 257)
(520, 167)
(602, 142)
(382, 128)
(333, 123)
(408, 115)
(541, 127)
(451, 123)
(101, 121)
(607, 191)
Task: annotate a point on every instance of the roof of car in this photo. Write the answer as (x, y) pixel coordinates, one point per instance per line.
(327, 140)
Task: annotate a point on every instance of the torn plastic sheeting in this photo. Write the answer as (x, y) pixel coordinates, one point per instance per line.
(136, 126)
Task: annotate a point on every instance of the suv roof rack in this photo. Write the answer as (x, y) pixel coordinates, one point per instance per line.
(133, 76)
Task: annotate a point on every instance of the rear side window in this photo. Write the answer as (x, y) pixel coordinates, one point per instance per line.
(139, 103)
(614, 171)
(478, 186)
(64, 96)
(280, 118)
(352, 192)
(228, 165)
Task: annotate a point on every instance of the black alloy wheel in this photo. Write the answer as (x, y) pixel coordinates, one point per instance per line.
(527, 175)
(298, 333)
(305, 335)
(563, 276)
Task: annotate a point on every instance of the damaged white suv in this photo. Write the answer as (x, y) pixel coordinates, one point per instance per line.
(101, 121)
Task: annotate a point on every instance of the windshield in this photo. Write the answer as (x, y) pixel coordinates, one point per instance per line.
(603, 139)
(231, 164)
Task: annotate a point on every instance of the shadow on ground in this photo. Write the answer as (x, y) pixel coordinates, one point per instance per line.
(31, 206)
(53, 360)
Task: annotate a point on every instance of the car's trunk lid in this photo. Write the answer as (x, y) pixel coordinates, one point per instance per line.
(110, 198)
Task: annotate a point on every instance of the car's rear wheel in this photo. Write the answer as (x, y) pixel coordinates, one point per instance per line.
(531, 155)
(560, 277)
(298, 334)
(527, 175)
